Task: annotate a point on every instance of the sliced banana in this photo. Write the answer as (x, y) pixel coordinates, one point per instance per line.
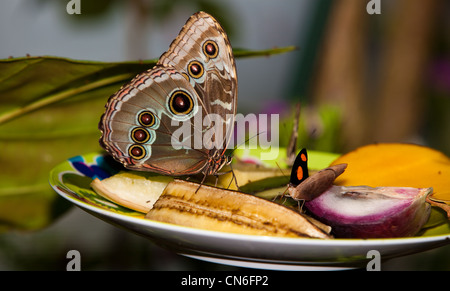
(184, 203)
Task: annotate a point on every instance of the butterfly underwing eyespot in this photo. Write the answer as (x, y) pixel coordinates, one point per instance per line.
(140, 135)
(181, 103)
(210, 49)
(137, 152)
(146, 118)
(195, 69)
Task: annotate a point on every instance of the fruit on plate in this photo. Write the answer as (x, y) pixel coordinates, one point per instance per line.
(211, 208)
(200, 206)
(244, 173)
(134, 190)
(397, 165)
(366, 212)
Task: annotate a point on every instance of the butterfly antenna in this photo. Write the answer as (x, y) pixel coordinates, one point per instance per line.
(232, 172)
(281, 170)
(292, 146)
(244, 142)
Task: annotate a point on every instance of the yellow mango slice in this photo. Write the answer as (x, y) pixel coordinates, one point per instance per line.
(398, 165)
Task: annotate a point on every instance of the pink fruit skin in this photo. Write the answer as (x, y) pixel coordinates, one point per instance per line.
(399, 221)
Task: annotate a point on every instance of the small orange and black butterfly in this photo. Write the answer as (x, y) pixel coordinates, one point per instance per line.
(299, 169)
(304, 187)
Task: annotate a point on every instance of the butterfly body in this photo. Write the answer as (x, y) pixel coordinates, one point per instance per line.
(177, 118)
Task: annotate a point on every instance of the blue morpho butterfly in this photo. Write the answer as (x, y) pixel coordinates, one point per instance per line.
(195, 77)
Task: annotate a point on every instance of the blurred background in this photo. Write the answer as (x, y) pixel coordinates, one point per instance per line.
(360, 78)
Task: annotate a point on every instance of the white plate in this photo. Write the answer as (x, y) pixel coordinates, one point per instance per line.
(71, 180)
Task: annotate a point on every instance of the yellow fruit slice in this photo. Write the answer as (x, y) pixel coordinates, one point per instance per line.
(398, 165)
(134, 190)
(244, 173)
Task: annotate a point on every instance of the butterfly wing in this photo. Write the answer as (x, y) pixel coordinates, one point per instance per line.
(199, 69)
(299, 169)
(203, 53)
(141, 119)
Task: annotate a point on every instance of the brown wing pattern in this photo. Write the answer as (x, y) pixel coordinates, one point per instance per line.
(194, 81)
(154, 149)
(217, 84)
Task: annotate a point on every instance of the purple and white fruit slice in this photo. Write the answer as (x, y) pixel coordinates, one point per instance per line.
(367, 212)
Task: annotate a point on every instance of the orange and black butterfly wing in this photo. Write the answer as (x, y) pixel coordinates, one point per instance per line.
(299, 169)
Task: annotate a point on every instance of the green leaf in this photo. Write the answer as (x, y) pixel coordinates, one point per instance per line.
(28, 84)
(49, 111)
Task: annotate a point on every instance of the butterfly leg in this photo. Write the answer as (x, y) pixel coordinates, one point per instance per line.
(280, 196)
(235, 181)
(201, 183)
(233, 178)
(300, 204)
(217, 179)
